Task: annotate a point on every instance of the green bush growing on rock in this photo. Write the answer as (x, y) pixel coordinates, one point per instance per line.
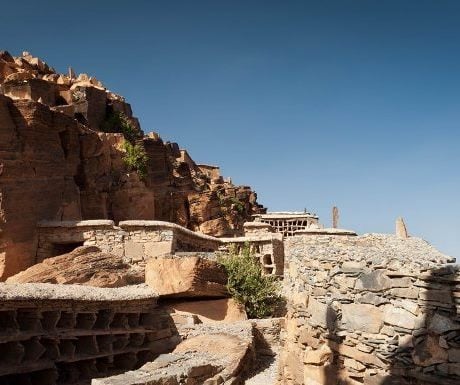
(136, 158)
(119, 122)
(237, 205)
(246, 284)
(230, 202)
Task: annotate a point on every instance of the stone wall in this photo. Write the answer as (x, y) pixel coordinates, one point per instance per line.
(56, 334)
(268, 248)
(374, 310)
(136, 241)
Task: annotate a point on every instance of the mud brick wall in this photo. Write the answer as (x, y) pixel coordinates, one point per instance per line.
(374, 310)
(56, 334)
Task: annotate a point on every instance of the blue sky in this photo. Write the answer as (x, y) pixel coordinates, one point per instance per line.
(313, 103)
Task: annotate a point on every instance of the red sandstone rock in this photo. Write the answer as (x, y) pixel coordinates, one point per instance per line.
(208, 311)
(86, 265)
(55, 165)
(186, 277)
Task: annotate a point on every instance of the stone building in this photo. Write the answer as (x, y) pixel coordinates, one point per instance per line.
(289, 222)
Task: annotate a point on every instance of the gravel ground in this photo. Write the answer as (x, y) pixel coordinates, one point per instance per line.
(265, 374)
(48, 291)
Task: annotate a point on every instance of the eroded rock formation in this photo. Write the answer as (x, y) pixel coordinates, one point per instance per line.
(86, 265)
(186, 277)
(63, 148)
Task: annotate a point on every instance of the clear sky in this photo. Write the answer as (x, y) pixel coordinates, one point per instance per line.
(313, 103)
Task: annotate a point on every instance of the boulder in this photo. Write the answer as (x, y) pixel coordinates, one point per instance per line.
(86, 265)
(209, 356)
(226, 310)
(186, 277)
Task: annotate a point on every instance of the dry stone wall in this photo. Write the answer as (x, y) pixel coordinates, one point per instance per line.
(138, 241)
(267, 248)
(374, 310)
(135, 241)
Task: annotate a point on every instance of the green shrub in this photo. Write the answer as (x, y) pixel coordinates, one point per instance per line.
(119, 122)
(258, 293)
(136, 158)
(225, 201)
(237, 204)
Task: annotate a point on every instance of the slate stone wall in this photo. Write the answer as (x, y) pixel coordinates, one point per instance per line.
(374, 310)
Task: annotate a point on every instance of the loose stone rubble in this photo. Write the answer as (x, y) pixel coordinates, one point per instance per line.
(85, 265)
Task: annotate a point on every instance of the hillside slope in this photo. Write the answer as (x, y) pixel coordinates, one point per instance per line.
(72, 150)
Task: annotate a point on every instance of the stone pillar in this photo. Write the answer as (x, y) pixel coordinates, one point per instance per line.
(401, 229)
(335, 217)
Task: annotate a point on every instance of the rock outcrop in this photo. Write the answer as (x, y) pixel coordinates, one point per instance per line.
(72, 150)
(186, 277)
(209, 311)
(86, 265)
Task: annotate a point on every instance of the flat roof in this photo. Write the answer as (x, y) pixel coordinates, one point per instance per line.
(286, 215)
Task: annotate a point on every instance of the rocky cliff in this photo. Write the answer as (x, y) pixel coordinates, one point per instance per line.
(72, 150)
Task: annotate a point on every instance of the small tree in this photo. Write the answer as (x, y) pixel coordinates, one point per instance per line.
(257, 292)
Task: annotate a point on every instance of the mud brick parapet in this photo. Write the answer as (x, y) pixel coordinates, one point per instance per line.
(373, 310)
(53, 334)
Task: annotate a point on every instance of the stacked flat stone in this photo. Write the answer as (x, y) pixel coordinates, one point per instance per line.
(375, 309)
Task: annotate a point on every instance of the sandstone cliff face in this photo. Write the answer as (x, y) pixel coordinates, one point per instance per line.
(57, 163)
